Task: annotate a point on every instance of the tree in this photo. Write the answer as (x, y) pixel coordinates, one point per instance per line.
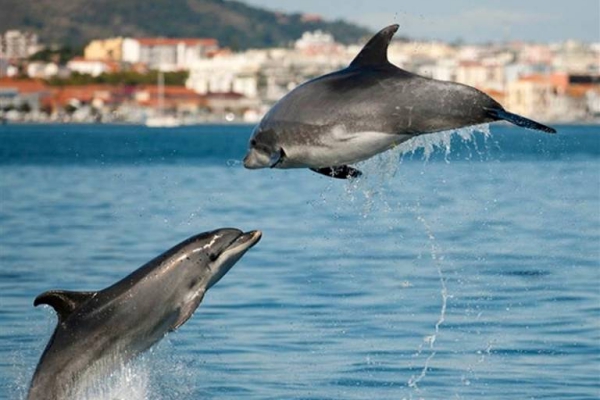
(59, 55)
(70, 109)
(25, 108)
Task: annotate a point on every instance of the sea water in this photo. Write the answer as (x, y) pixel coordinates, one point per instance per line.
(461, 272)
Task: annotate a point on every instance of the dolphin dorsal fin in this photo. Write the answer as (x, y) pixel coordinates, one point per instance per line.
(64, 302)
(375, 51)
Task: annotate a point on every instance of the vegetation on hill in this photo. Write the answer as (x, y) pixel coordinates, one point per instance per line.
(233, 23)
(128, 78)
(58, 55)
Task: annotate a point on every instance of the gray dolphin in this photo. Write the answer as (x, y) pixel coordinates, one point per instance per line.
(98, 331)
(367, 108)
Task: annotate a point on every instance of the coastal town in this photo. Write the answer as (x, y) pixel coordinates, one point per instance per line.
(162, 81)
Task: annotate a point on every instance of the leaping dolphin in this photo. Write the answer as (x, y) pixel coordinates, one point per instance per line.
(367, 108)
(97, 331)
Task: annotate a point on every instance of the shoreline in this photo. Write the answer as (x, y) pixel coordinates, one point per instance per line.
(594, 122)
(123, 123)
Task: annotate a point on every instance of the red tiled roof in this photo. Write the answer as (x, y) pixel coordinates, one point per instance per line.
(173, 95)
(169, 90)
(469, 63)
(560, 80)
(556, 79)
(224, 95)
(86, 93)
(494, 92)
(538, 78)
(24, 85)
(171, 103)
(581, 90)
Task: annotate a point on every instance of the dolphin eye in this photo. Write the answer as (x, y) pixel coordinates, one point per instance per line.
(253, 142)
(213, 257)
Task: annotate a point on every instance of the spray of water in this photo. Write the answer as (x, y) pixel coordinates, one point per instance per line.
(158, 374)
(443, 140)
(371, 188)
(437, 260)
(379, 170)
(128, 381)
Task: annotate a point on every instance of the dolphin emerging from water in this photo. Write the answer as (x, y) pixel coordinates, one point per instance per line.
(98, 331)
(367, 108)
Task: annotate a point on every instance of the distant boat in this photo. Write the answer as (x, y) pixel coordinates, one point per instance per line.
(162, 120)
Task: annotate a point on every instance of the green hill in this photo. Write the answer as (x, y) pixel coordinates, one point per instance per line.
(234, 24)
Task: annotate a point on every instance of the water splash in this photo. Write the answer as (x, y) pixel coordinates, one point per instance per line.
(430, 340)
(158, 374)
(369, 191)
(129, 381)
(443, 141)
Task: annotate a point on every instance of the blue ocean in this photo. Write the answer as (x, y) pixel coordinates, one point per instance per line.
(457, 267)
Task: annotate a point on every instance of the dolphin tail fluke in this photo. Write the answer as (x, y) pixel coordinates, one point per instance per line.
(501, 114)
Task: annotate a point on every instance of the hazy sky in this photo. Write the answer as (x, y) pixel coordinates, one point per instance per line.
(471, 20)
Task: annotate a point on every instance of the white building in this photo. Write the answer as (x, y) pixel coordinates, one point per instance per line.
(576, 57)
(238, 73)
(91, 67)
(265, 74)
(43, 70)
(443, 70)
(317, 42)
(4, 64)
(593, 102)
(481, 75)
(167, 54)
(16, 44)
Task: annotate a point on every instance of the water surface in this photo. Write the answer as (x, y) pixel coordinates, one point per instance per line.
(474, 274)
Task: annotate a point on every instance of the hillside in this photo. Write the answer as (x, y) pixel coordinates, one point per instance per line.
(234, 24)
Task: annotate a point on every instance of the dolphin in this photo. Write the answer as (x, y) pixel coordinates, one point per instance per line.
(99, 331)
(367, 108)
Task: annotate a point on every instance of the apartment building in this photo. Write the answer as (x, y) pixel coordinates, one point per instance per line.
(15, 44)
(167, 54)
(105, 49)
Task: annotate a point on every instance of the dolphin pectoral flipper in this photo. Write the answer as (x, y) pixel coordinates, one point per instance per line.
(187, 311)
(498, 113)
(278, 158)
(339, 172)
(64, 302)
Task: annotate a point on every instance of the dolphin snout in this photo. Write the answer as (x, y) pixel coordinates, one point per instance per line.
(253, 237)
(247, 163)
(230, 238)
(251, 161)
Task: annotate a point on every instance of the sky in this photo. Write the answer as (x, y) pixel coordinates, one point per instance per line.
(474, 21)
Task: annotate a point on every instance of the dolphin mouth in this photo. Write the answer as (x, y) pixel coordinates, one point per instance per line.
(239, 243)
(245, 241)
(250, 161)
(247, 164)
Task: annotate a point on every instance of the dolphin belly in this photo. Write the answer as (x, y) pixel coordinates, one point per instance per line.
(340, 147)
